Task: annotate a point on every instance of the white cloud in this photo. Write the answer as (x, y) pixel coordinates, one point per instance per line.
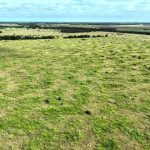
(97, 9)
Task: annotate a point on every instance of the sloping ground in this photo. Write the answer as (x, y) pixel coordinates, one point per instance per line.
(75, 94)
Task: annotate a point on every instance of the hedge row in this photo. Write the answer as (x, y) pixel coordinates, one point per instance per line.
(84, 36)
(72, 29)
(4, 27)
(77, 36)
(20, 37)
(79, 30)
(134, 32)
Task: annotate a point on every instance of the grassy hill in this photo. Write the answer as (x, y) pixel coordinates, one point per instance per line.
(75, 94)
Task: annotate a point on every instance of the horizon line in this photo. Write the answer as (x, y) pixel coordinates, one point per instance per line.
(75, 21)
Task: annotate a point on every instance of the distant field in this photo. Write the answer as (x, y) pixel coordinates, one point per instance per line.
(75, 94)
(21, 31)
(59, 29)
(41, 32)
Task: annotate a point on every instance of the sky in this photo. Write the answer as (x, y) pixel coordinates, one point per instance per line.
(75, 10)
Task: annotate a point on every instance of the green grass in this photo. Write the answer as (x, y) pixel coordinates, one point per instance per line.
(47, 85)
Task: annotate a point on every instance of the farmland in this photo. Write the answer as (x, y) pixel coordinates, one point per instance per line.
(74, 94)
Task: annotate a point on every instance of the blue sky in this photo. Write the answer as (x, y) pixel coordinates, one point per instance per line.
(75, 10)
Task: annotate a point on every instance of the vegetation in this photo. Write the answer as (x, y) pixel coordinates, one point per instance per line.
(35, 34)
(29, 37)
(80, 30)
(133, 28)
(19, 37)
(84, 36)
(90, 94)
(81, 27)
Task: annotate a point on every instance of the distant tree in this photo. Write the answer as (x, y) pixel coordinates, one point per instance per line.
(33, 26)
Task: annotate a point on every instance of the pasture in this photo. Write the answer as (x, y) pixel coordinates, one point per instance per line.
(75, 94)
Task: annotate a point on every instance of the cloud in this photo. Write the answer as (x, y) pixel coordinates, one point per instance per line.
(76, 9)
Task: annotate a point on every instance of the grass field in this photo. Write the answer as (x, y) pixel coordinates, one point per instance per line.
(25, 31)
(75, 94)
(42, 32)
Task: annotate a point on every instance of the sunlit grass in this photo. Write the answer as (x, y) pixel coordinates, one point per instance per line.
(47, 86)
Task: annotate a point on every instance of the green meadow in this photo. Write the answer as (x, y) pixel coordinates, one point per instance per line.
(75, 94)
